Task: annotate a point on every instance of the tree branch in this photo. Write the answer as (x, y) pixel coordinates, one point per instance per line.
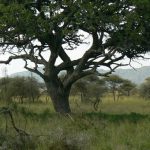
(67, 61)
(34, 70)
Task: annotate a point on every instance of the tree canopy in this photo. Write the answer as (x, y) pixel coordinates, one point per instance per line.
(126, 87)
(29, 28)
(19, 87)
(114, 82)
(145, 89)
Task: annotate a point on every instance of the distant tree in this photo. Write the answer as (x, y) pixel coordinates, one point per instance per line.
(33, 88)
(20, 88)
(144, 89)
(30, 28)
(5, 94)
(81, 88)
(114, 82)
(96, 91)
(126, 87)
(91, 89)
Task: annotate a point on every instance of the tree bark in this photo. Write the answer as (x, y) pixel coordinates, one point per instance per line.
(59, 96)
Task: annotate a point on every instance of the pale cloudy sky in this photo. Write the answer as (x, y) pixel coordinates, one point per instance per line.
(18, 65)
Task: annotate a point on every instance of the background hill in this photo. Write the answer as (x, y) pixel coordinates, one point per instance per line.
(137, 75)
(27, 74)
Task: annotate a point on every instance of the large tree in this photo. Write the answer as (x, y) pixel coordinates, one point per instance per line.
(29, 28)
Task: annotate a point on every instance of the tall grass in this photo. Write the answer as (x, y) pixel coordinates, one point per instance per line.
(121, 125)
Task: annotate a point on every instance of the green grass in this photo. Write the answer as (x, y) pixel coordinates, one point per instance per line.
(126, 105)
(121, 125)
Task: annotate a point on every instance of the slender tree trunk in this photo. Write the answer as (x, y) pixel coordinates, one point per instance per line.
(21, 100)
(82, 97)
(32, 98)
(59, 96)
(118, 96)
(114, 96)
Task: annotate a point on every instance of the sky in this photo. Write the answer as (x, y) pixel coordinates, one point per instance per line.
(18, 65)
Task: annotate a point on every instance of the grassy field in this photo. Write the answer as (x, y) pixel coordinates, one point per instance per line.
(121, 125)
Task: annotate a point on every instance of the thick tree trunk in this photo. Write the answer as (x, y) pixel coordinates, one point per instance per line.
(59, 96)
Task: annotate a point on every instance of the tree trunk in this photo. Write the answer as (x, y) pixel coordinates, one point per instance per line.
(32, 98)
(118, 96)
(21, 99)
(59, 96)
(114, 96)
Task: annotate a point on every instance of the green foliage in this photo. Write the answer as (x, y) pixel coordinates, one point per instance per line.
(5, 94)
(126, 22)
(119, 86)
(114, 83)
(145, 89)
(127, 87)
(118, 29)
(19, 87)
(112, 128)
(91, 89)
(132, 117)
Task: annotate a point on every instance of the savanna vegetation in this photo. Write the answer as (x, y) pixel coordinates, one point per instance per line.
(41, 32)
(84, 109)
(121, 124)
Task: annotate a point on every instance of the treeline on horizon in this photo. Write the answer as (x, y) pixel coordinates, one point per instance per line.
(90, 89)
